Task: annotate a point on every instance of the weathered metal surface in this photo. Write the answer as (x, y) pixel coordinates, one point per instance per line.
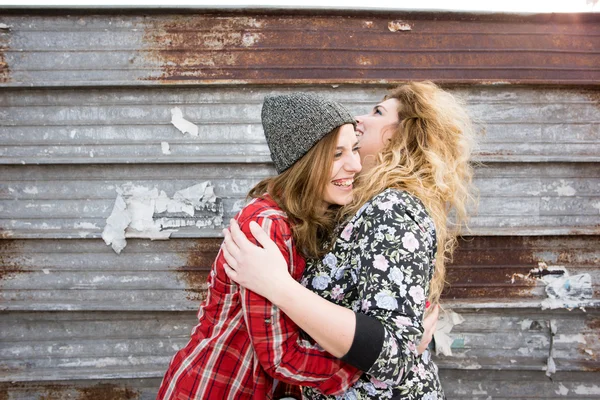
(134, 125)
(482, 385)
(91, 346)
(87, 275)
(56, 201)
(116, 389)
(300, 47)
(484, 268)
(79, 321)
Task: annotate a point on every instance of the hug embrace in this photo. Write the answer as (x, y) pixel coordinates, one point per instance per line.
(329, 279)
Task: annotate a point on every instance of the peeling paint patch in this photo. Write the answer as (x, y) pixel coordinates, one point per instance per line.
(86, 225)
(165, 148)
(562, 390)
(140, 212)
(250, 39)
(550, 364)
(582, 389)
(562, 289)
(565, 190)
(399, 25)
(566, 291)
(31, 190)
(443, 342)
(181, 123)
(576, 338)
(597, 206)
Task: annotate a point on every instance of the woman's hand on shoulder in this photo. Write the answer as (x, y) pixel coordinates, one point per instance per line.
(262, 270)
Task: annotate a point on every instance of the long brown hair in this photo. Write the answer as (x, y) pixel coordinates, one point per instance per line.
(299, 193)
(428, 156)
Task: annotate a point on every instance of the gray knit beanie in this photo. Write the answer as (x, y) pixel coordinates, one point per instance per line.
(294, 123)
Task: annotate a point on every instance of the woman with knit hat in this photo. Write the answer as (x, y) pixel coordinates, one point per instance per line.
(243, 343)
(364, 300)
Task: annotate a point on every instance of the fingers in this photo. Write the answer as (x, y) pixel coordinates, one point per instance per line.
(260, 235)
(230, 249)
(230, 272)
(238, 236)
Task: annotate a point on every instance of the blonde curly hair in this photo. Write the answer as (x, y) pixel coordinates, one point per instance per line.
(429, 156)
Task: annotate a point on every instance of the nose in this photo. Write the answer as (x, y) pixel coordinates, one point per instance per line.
(353, 164)
(359, 119)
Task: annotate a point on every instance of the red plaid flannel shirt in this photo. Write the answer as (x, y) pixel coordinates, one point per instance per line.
(243, 342)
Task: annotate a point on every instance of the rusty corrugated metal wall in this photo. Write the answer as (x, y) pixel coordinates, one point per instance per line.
(93, 110)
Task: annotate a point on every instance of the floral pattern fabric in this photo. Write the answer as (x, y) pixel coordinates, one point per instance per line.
(381, 264)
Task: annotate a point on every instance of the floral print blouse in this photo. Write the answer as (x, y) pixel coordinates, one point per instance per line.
(381, 265)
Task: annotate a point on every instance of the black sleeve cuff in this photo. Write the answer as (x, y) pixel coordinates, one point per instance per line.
(367, 343)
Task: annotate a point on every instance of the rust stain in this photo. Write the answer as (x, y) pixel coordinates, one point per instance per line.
(295, 48)
(105, 391)
(4, 68)
(198, 263)
(4, 234)
(200, 47)
(102, 391)
(10, 251)
(54, 392)
(484, 267)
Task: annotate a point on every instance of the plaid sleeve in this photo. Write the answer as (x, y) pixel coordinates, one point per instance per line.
(281, 351)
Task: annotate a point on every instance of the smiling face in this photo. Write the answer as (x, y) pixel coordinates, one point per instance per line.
(375, 130)
(346, 164)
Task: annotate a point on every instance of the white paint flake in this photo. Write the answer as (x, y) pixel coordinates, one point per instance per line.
(597, 206)
(526, 323)
(86, 225)
(443, 341)
(582, 389)
(165, 148)
(46, 271)
(398, 25)
(250, 39)
(480, 391)
(140, 212)
(181, 123)
(575, 338)
(31, 190)
(565, 190)
(114, 231)
(550, 367)
(73, 133)
(562, 390)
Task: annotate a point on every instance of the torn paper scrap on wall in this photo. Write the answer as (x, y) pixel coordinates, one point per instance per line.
(181, 123)
(550, 364)
(141, 212)
(446, 322)
(564, 290)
